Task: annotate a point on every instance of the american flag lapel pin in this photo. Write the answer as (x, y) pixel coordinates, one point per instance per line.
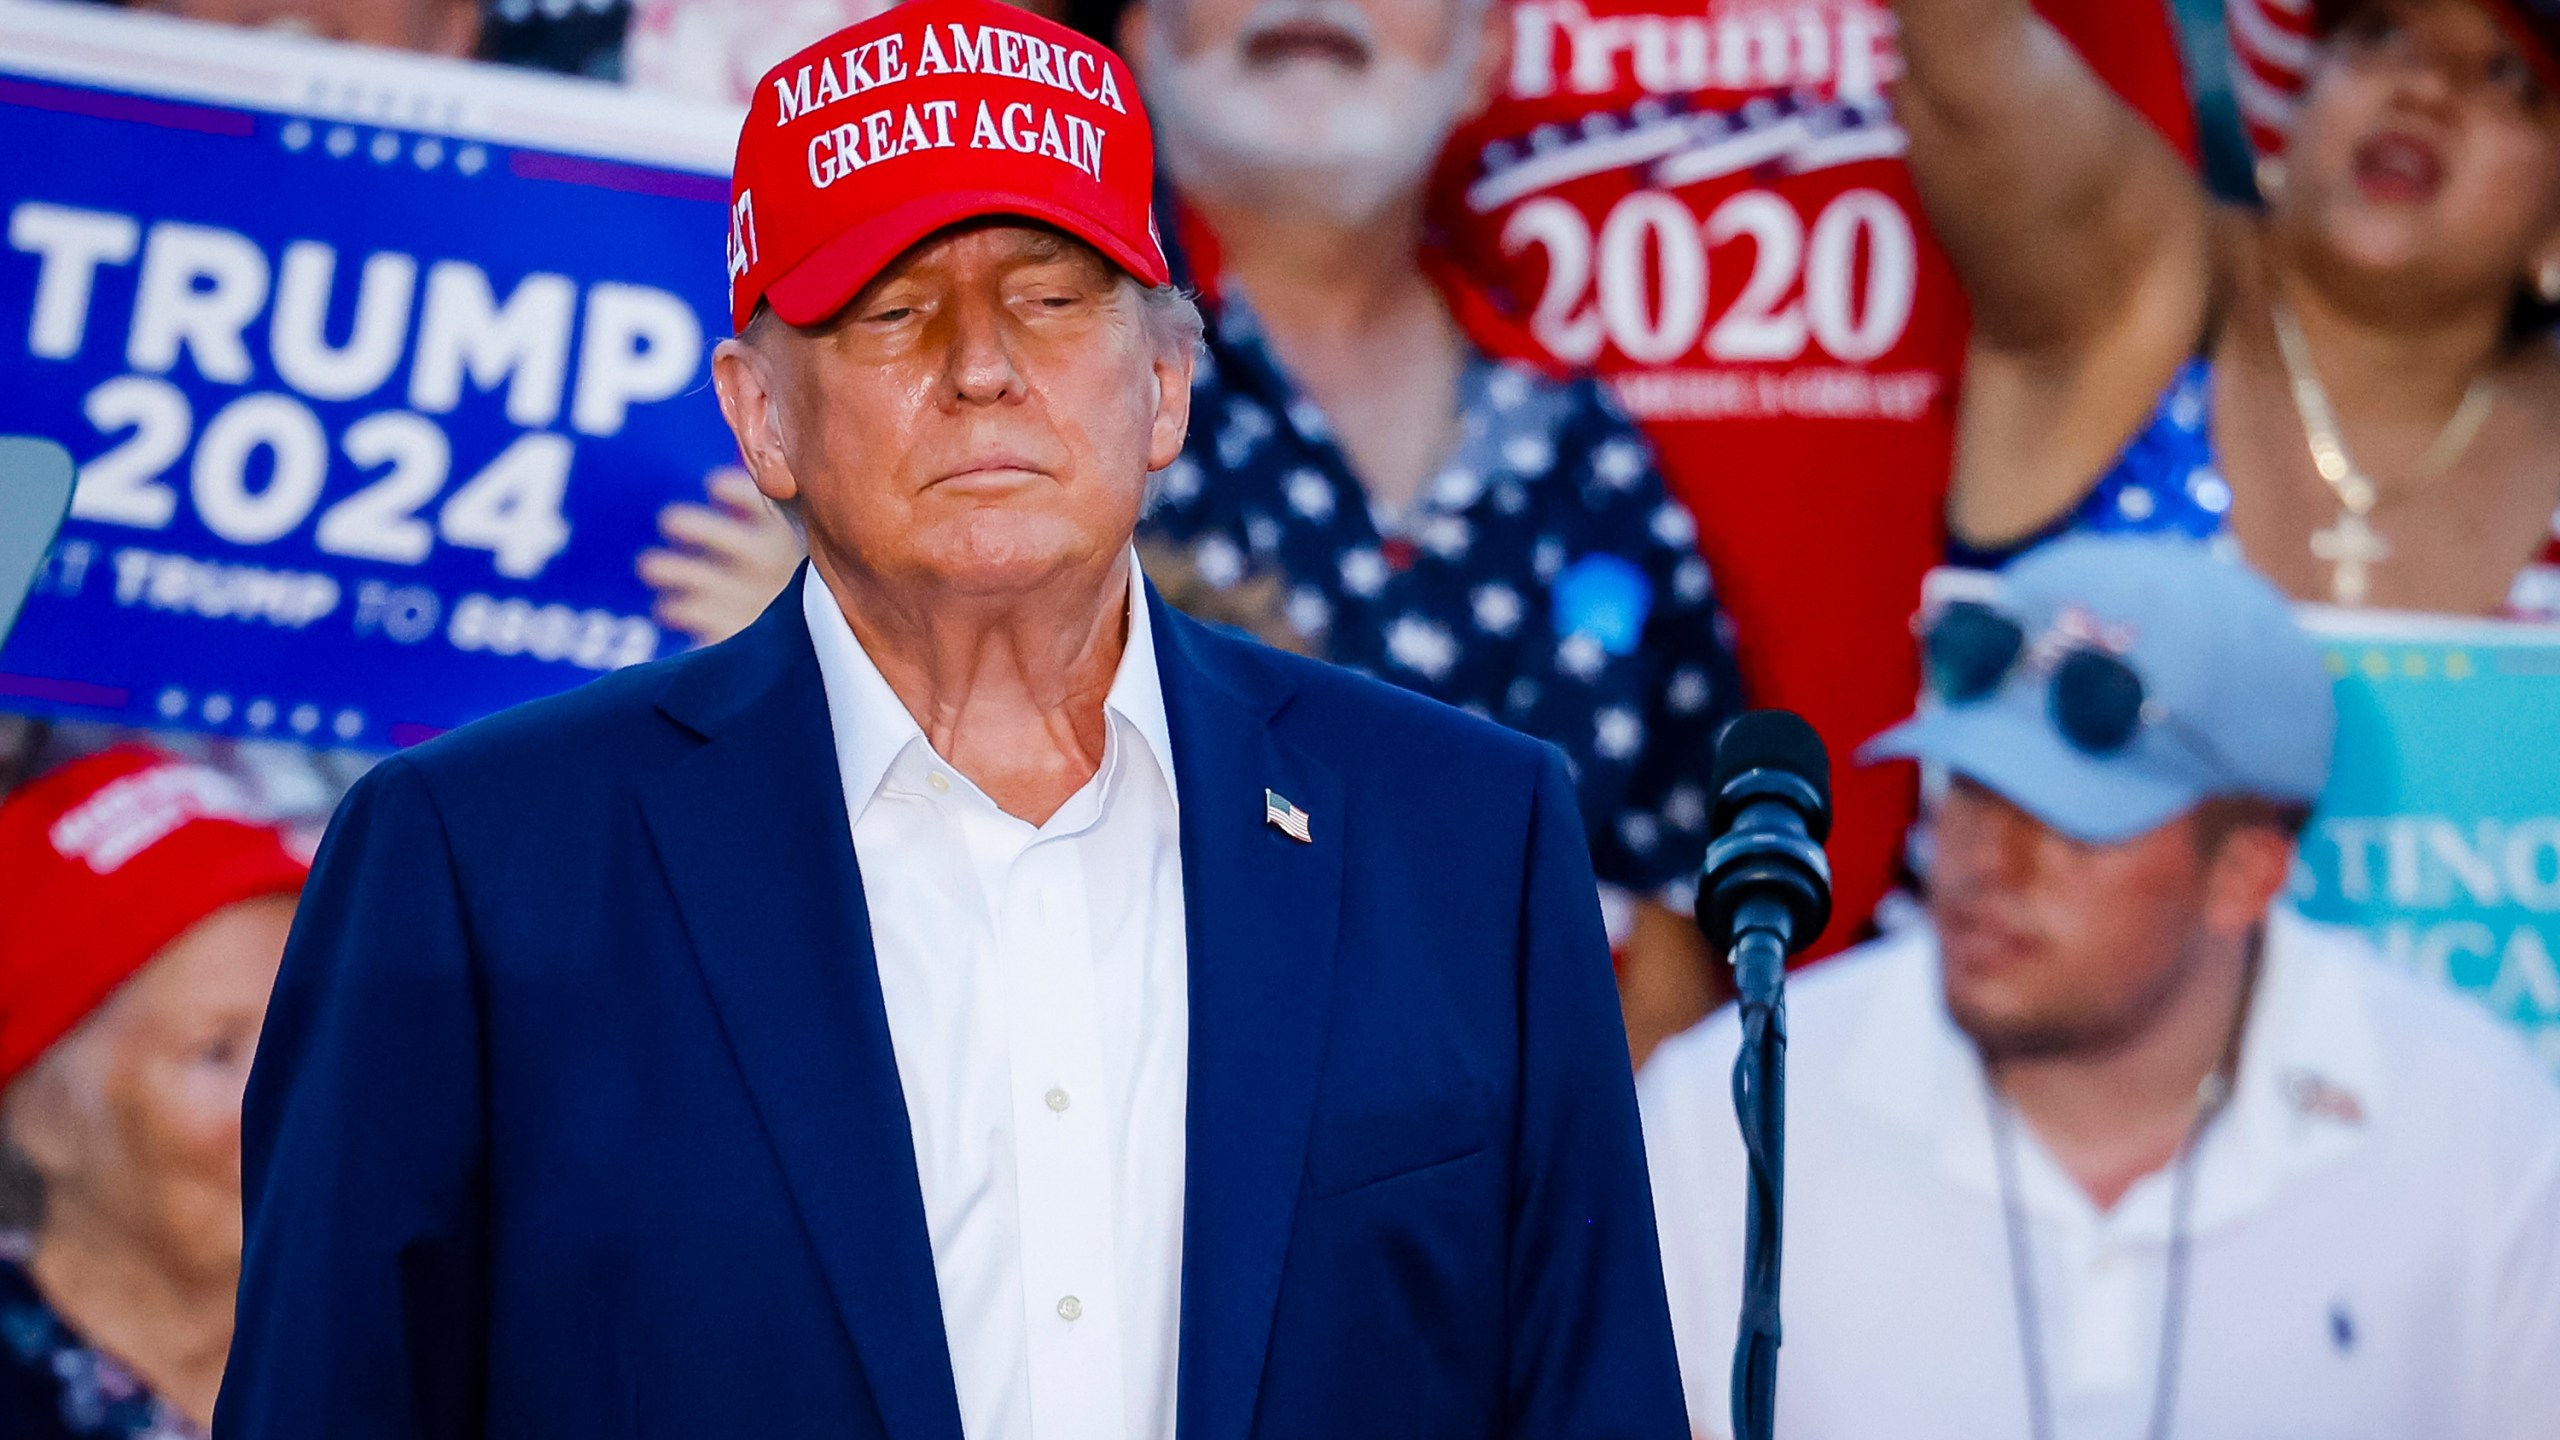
(1286, 817)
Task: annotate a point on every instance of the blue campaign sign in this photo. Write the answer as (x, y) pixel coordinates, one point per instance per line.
(2440, 831)
(377, 369)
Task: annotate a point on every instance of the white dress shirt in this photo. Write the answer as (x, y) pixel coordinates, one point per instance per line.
(2375, 1233)
(1038, 1002)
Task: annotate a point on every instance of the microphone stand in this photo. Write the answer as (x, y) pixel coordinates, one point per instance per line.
(1760, 1104)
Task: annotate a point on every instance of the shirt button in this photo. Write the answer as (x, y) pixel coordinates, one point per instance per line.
(1070, 1308)
(1057, 1100)
(940, 782)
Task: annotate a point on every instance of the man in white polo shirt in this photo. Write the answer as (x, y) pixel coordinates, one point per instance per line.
(2115, 1146)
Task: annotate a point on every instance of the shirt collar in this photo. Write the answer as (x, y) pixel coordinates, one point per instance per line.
(2308, 1087)
(873, 728)
(1137, 690)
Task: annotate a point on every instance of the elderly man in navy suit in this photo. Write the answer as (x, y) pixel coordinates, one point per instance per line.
(975, 1001)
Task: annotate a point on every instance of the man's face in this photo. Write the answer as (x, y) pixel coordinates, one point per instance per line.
(2428, 145)
(435, 27)
(981, 418)
(2051, 945)
(1357, 92)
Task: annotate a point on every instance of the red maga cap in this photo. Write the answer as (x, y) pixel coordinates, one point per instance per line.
(108, 860)
(934, 112)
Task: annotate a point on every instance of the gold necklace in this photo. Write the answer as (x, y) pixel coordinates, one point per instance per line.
(2352, 546)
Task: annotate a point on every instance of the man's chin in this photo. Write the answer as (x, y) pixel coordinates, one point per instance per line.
(997, 551)
(2006, 1037)
(2014, 1027)
(2005, 1021)
(1310, 136)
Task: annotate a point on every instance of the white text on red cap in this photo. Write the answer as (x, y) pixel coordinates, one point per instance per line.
(139, 811)
(892, 131)
(994, 50)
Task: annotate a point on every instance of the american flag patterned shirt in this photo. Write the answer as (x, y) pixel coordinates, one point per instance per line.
(1544, 579)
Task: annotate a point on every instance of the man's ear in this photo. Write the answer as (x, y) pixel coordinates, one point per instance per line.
(1493, 57)
(743, 377)
(2247, 872)
(1172, 424)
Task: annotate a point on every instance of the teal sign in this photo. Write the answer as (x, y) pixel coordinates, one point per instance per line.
(2440, 832)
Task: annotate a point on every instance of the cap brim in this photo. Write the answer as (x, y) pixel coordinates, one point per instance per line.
(2021, 758)
(835, 272)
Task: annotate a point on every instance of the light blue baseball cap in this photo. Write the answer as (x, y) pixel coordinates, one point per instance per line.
(2236, 701)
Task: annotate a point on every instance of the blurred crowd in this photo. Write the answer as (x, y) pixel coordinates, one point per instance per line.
(1606, 367)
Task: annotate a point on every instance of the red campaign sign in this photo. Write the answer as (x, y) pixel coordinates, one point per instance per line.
(1715, 203)
(1707, 202)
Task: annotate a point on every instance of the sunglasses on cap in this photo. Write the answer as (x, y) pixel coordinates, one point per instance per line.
(1971, 649)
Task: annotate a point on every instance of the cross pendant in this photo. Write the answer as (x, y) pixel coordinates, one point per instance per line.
(2353, 547)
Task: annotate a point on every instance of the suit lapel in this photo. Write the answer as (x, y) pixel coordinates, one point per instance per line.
(1263, 913)
(752, 830)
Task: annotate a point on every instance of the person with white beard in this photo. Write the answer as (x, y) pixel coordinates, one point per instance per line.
(1396, 500)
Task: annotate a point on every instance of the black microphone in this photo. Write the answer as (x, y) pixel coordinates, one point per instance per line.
(1766, 878)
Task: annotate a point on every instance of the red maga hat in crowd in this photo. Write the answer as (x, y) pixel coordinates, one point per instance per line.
(932, 113)
(108, 860)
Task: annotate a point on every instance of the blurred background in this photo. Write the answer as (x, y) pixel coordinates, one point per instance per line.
(1605, 367)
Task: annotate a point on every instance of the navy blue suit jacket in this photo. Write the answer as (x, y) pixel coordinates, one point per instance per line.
(576, 1113)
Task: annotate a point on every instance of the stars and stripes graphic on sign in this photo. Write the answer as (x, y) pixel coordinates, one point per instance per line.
(2271, 53)
(1289, 819)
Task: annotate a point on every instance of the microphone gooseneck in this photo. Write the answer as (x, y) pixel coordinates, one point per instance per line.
(1764, 894)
